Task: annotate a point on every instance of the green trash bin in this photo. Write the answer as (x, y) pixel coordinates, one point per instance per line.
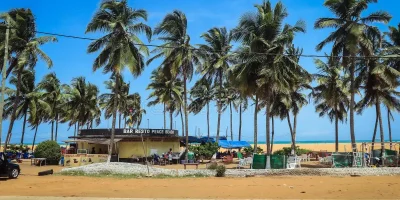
(259, 161)
(278, 162)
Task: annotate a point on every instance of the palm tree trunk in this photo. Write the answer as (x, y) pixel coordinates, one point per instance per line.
(291, 132)
(208, 121)
(55, 138)
(352, 93)
(230, 110)
(255, 123)
(389, 128)
(14, 112)
(119, 123)
(183, 123)
(374, 135)
(186, 114)
(336, 132)
(75, 131)
(272, 134)
(240, 121)
(165, 118)
(124, 121)
(219, 104)
(267, 128)
(34, 138)
(3, 80)
(294, 132)
(114, 120)
(381, 128)
(23, 130)
(52, 128)
(171, 112)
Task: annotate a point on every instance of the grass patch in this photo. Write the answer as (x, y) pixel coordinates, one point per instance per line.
(109, 174)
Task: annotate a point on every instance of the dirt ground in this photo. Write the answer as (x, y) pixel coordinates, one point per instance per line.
(29, 184)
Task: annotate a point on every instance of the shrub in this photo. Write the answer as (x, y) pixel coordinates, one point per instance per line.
(49, 150)
(250, 150)
(206, 150)
(212, 166)
(220, 171)
(287, 151)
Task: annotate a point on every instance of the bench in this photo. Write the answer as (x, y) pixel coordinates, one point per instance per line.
(38, 161)
(197, 165)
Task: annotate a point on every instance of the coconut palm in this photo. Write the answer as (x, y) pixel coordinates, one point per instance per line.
(202, 94)
(118, 48)
(178, 54)
(262, 34)
(352, 28)
(216, 58)
(25, 51)
(43, 109)
(331, 94)
(229, 96)
(30, 99)
(165, 90)
(240, 104)
(82, 102)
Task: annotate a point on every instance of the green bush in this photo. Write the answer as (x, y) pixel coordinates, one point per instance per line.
(287, 151)
(49, 150)
(250, 150)
(206, 150)
(220, 171)
(212, 166)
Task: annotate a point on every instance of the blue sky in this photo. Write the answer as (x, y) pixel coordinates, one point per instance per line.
(71, 60)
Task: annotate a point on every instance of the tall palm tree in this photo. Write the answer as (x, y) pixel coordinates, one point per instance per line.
(349, 37)
(216, 57)
(240, 104)
(118, 48)
(30, 99)
(43, 109)
(262, 34)
(202, 94)
(331, 94)
(82, 101)
(166, 90)
(178, 54)
(229, 96)
(54, 96)
(25, 52)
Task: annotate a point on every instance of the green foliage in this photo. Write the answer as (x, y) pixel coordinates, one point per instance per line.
(212, 166)
(220, 171)
(250, 150)
(287, 150)
(48, 149)
(13, 148)
(206, 150)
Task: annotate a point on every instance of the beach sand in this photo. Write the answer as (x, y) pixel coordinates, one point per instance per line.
(321, 187)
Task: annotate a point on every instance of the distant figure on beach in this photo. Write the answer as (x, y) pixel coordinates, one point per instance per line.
(93, 151)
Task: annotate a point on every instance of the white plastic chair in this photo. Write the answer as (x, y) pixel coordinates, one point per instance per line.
(249, 161)
(242, 163)
(293, 162)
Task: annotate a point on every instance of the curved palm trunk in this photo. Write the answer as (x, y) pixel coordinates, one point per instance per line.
(352, 92)
(294, 132)
(165, 118)
(378, 109)
(255, 124)
(374, 135)
(291, 133)
(3, 80)
(230, 110)
(34, 138)
(208, 121)
(267, 128)
(186, 114)
(55, 137)
(13, 115)
(240, 121)
(23, 130)
(114, 120)
(336, 132)
(389, 128)
(219, 105)
(272, 134)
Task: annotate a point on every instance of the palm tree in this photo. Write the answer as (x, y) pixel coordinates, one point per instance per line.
(331, 94)
(240, 104)
(166, 90)
(229, 96)
(349, 37)
(178, 54)
(118, 47)
(30, 99)
(25, 51)
(216, 57)
(202, 94)
(82, 101)
(54, 96)
(41, 114)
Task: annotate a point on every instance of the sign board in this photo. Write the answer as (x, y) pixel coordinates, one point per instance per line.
(75, 160)
(129, 132)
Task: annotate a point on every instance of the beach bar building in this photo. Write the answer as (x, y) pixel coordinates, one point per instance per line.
(128, 144)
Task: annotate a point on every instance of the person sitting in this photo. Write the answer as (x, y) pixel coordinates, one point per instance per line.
(93, 151)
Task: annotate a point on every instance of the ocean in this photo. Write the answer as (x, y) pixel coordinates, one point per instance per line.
(321, 141)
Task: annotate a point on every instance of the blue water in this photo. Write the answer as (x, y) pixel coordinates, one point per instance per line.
(321, 141)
